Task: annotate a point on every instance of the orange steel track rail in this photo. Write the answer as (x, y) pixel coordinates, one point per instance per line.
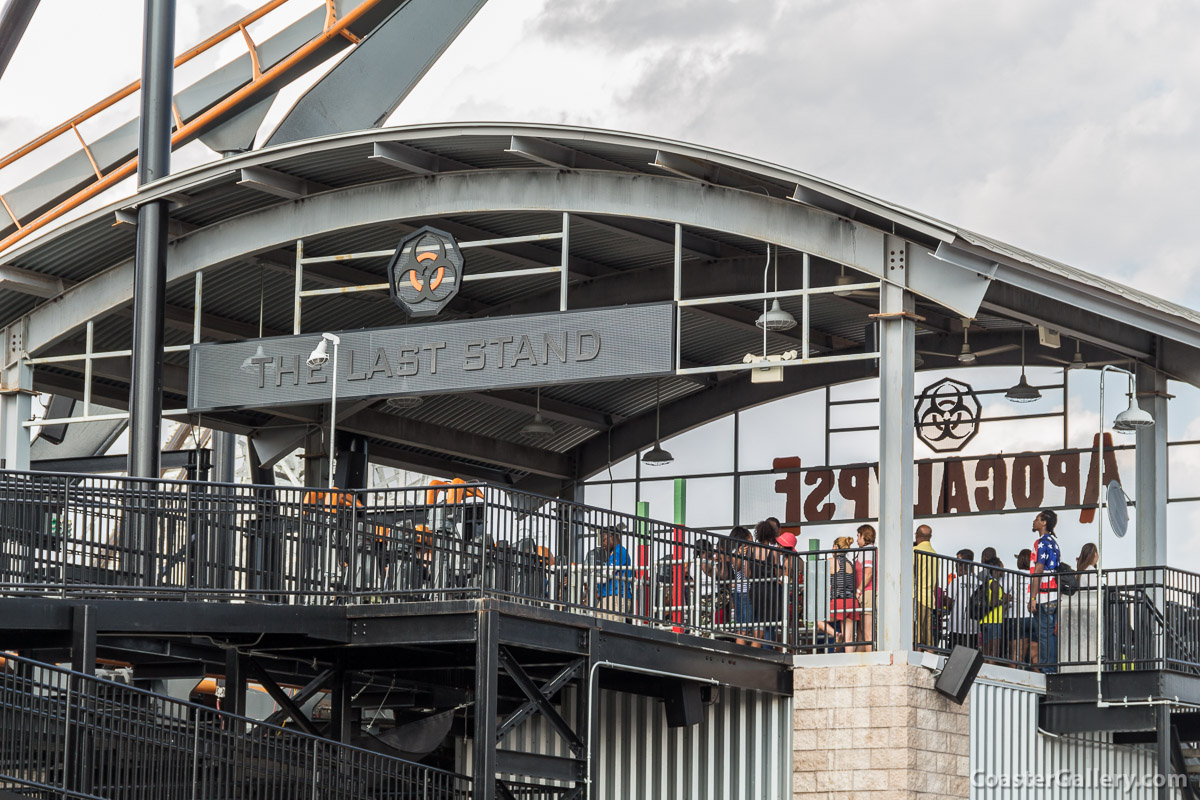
(183, 130)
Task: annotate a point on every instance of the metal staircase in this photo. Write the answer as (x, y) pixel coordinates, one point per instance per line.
(70, 734)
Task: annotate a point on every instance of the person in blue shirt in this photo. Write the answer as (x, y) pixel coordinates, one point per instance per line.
(615, 594)
(1043, 597)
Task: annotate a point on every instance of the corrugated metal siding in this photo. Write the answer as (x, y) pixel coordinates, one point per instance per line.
(1005, 743)
(741, 750)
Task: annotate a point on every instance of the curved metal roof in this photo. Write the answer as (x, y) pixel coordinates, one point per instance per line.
(614, 260)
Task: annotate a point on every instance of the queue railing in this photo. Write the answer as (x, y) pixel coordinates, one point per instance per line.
(69, 734)
(87, 536)
(1140, 617)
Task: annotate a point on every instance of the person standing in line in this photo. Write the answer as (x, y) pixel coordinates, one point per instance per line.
(925, 567)
(962, 628)
(743, 616)
(1089, 557)
(616, 593)
(864, 573)
(1025, 645)
(1043, 601)
(994, 626)
(766, 597)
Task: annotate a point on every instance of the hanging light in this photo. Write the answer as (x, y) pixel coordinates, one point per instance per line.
(248, 366)
(405, 401)
(775, 319)
(966, 356)
(843, 280)
(657, 456)
(1023, 392)
(537, 427)
(1132, 418)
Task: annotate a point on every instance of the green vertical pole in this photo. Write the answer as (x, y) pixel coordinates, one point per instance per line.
(680, 501)
(677, 571)
(643, 513)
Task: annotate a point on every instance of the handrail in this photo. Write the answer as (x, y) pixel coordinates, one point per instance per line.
(101, 738)
(73, 535)
(191, 128)
(126, 91)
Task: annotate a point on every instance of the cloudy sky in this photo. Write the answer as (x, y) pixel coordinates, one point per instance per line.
(1067, 127)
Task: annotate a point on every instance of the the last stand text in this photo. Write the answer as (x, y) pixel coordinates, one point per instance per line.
(504, 352)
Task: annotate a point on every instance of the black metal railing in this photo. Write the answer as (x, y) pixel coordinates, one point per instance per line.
(1150, 617)
(70, 734)
(86, 536)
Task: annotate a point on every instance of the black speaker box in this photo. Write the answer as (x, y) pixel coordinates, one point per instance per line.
(959, 673)
(351, 470)
(683, 704)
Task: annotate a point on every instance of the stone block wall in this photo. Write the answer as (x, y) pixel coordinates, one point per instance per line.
(877, 731)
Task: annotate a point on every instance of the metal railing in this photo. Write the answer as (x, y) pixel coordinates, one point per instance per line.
(76, 735)
(1150, 619)
(87, 536)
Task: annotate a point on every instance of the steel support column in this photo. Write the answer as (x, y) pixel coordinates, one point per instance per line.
(487, 665)
(1162, 752)
(235, 683)
(1151, 490)
(894, 585)
(83, 639)
(224, 456)
(150, 270)
(16, 406)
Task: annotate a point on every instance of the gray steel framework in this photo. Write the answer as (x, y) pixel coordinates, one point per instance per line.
(649, 219)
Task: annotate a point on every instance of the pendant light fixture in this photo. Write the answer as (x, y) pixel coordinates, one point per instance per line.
(1022, 392)
(774, 319)
(537, 427)
(1133, 418)
(657, 456)
(405, 401)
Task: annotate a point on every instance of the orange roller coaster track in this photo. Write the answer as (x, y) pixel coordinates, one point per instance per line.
(183, 130)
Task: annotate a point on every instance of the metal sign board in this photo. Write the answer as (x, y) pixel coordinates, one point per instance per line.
(460, 356)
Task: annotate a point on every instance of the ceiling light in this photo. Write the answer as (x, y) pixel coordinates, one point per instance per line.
(1132, 418)
(657, 456)
(537, 427)
(405, 401)
(776, 319)
(1023, 392)
(319, 355)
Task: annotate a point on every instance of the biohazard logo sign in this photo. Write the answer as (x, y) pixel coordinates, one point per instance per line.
(947, 415)
(425, 272)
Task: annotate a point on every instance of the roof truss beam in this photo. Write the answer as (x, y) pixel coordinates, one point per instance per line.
(26, 281)
(278, 183)
(555, 155)
(409, 159)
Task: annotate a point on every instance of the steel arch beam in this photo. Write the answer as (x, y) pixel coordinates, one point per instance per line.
(669, 199)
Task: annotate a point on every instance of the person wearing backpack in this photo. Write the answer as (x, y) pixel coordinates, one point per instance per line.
(990, 608)
(963, 625)
(1043, 599)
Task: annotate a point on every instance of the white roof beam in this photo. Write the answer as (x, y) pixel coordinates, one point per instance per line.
(409, 159)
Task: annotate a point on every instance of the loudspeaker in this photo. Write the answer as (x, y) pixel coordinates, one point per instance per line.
(351, 470)
(958, 675)
(683, 704)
